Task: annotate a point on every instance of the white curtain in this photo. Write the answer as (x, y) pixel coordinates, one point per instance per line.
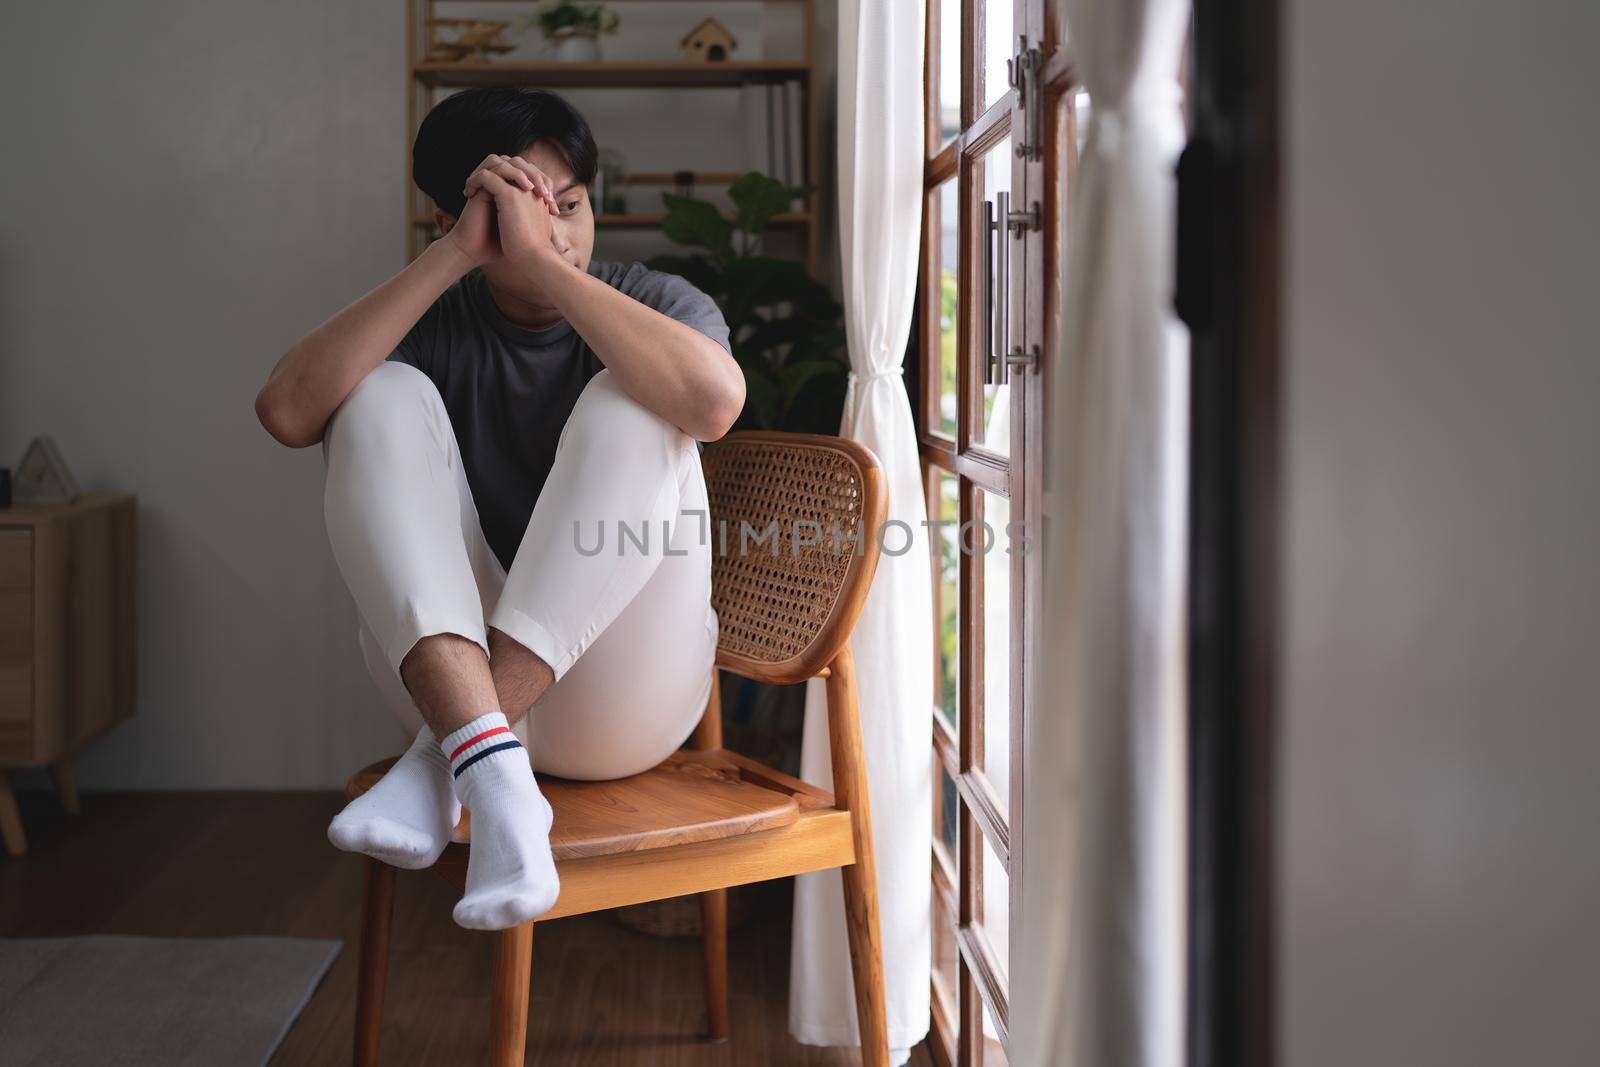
(880, 149)
(1099, 980)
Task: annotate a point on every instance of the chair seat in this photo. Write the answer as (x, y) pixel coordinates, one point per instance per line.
(691, 796)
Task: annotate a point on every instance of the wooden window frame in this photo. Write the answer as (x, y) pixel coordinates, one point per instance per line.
(982, 816)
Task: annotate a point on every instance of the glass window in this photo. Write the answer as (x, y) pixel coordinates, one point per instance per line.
(999, 45)
(988, 537)
(993, 427)
(976, 447)
(947, 594)
(949, 806)
(944, 951)
(996, 917)
(948, 252)
(949, 70)
(994, 1053)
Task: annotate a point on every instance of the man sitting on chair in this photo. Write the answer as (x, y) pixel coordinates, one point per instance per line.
(514, 497)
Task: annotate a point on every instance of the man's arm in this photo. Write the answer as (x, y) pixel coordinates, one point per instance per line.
(668, 366)
(671, 368)
(313, 378)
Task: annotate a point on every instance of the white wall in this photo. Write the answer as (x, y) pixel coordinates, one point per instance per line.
(189, 186)
(1440, 776)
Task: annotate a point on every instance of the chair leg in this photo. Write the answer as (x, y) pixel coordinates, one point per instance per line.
(513, 963)
(866, 960)
(861, 877)
(377, 916)
(714, 936)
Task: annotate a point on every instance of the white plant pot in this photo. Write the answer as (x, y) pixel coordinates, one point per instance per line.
(574, 47)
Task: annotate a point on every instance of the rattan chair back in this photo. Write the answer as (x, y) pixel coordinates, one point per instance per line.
(794, 526)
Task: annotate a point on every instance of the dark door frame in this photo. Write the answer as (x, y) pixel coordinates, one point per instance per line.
(1229, 271)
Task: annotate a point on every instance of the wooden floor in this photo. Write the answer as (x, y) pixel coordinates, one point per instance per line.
(197, 865)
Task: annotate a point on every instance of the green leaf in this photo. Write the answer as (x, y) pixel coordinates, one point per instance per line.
(785, 327)
(817, 409)
(771, 333)
(763, 396)
(762, 281)
(812, 298)
(695, 222)
(826, 341)
(759, 197)
(794, 377)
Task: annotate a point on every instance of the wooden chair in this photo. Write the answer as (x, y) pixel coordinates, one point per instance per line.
(708, 818)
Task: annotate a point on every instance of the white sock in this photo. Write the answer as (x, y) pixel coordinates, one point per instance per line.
(406, 818)
(511, 875)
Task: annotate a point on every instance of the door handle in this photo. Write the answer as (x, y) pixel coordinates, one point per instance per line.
(999, 223)
(986, 266)
(997, 270)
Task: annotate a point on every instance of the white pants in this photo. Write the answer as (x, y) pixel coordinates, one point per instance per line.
(628, 631)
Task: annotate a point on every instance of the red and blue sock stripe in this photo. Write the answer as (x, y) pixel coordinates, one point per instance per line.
(479, 739)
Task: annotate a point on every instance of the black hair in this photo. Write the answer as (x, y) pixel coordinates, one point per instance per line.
(464, 128)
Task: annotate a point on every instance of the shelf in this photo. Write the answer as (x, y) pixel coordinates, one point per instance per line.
(609, 75)
(647, 220)
(790, 61)
(449, 2)
(641, 219)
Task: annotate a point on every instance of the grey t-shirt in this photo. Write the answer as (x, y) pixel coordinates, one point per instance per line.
(509, 389)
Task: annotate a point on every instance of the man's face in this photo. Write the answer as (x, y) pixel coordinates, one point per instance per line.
(572, 231)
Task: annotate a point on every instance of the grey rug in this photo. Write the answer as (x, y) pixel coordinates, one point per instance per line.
(133, 1001)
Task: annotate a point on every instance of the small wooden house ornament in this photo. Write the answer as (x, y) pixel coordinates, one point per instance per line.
(709, 42)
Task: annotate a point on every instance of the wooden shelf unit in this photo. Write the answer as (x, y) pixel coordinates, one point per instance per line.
(424, 76)
(637, 220)
(606, 75)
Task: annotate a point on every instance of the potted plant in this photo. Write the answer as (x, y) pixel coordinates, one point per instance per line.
(572, 30)
(785, 328)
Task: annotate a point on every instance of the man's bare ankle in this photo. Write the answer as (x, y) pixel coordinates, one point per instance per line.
(448, 677)
(435, 650)
(521, 676)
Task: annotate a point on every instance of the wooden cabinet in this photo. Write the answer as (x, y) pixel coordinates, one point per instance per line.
(66, 636)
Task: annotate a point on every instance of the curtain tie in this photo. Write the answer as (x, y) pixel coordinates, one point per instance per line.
(871, 376)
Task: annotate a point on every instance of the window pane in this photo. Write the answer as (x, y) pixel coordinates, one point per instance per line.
(1080, 118)
(990, 545)
(996, 913)
(998, 46)
(947, 252)
(993, 430)
(944, 955)
(949, 71)
(946, 511)
(948, 812)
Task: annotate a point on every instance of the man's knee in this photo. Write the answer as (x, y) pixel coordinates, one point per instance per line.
(388, 387)
(391, 400)
(606, 415)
